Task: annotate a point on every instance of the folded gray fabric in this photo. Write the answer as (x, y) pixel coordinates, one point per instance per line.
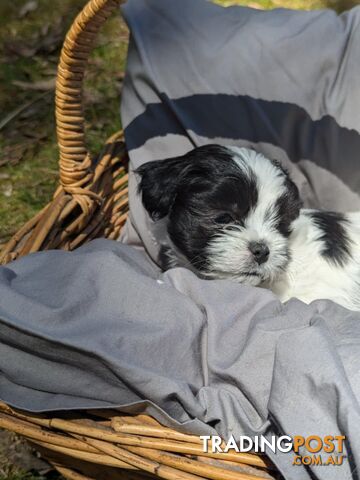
(101, 327)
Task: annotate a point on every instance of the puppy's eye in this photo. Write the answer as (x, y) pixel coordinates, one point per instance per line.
(224, 219)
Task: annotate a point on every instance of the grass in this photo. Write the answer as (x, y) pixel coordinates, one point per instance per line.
(29, 47)
(338, 5)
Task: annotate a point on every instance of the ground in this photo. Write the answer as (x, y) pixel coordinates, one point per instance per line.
(31, 34)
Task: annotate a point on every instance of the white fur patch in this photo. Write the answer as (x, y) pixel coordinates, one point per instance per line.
(229, 253)
(309, 276)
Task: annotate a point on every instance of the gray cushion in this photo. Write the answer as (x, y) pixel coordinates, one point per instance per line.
(284, 82)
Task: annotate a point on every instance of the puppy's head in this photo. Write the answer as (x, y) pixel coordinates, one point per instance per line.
(229, 210)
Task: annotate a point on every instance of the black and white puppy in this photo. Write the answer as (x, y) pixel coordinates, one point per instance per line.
(232, 213)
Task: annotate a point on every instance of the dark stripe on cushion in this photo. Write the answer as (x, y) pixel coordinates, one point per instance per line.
(285, 125)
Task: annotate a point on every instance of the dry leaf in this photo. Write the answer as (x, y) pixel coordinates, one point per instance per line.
(21, 109)
(20, 49)
(17, 451)
(51, 71)
(40, 85)
(6, 189)
(31, 112)
(92, 96)
(38, 133)
(14, 154)
(29, 7)
(46, 41)
(51, 38)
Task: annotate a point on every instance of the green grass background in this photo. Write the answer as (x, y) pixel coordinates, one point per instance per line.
(30, 42)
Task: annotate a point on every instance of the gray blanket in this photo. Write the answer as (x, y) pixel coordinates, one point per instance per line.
(103, 327)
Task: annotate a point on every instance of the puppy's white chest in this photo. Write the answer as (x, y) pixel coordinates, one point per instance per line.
(311, 276)
(318, 280)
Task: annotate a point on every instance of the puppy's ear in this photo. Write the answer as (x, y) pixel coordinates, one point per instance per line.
(158, 185)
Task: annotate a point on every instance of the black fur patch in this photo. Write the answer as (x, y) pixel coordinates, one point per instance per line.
(336, 241)
(195, 191)
(213, 186)
(160, 180)
(288, 209)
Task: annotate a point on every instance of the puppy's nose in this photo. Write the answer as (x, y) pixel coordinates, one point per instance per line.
(260, 251)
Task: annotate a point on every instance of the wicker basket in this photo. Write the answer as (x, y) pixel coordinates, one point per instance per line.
(91, 201)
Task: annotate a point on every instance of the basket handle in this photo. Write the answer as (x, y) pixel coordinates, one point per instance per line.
(75, 161)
